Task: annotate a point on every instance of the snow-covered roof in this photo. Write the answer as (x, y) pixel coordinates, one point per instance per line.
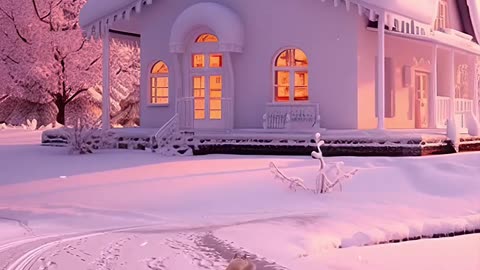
(424, 11)
(96, 13)
(474, 8)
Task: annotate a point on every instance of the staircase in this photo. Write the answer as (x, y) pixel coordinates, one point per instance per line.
(170, 141)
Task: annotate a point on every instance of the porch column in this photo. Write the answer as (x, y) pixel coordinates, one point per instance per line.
(381, 71)
(433, 89)
(476, 68)
(451, 65)
(106, 80)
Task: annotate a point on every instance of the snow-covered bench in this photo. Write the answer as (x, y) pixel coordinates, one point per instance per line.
(301, 116)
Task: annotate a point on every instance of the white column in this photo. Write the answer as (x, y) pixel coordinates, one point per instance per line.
(433, 89)
(106, 80)
(381, 71)
(475, 69)
(451, 65)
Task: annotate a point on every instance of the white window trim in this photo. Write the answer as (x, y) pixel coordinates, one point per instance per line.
(292, 71)
(445, 17)
(150, 88)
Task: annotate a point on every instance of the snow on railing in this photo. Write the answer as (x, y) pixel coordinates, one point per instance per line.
(443, 111)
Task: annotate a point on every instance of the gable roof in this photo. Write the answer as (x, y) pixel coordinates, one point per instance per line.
(474, 8)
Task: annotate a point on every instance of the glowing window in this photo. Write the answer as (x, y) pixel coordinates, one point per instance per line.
(291, 76)
(442, 17)
(159, 84)
(206, 38)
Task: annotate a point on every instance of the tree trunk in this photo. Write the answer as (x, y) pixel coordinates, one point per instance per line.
(61, 111)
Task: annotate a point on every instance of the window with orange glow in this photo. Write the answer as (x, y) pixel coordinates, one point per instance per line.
(206, 38)
(199, 97)
(291, 76)
(216, 97)
(159, 84)
(198, 60)
(441, 21)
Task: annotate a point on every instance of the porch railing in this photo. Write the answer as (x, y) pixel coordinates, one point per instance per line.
(291, 116)
(462, 108)
(443, 111)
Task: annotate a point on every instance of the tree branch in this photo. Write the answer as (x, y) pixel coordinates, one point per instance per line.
(12, 19)
(93, 63)
(37, 12)
(70, 99)
(4, 97)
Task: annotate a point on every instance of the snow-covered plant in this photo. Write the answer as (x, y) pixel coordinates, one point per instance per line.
(453, 133)
(329, 175)
(473, 125)
(86, 137)
(30, 125)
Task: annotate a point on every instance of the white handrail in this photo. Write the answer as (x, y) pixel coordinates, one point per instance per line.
(167, 125)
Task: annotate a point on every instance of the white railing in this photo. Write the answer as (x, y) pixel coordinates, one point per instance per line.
(167, 132)
(291, 116)
(443, 111)
(463, 107)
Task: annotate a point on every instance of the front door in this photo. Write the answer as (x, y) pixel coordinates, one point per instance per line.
(207, 93)
(207, 86)
(421, 99)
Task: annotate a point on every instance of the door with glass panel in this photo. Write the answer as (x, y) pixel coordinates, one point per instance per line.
(207, 84)
(421, 99)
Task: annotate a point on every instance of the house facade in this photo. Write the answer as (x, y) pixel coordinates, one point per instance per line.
(291, 65)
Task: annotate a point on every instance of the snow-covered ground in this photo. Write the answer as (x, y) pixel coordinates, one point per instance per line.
(235, 204)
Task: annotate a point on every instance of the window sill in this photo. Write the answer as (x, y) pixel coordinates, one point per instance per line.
(158, 105)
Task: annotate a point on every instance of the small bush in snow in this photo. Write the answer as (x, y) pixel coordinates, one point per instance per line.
(329, 176)
(453, 133)
(31, 124)
(84, 138)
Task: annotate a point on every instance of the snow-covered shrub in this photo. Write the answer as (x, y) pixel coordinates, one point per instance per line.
(84, 137)
(329, 176)
(472, 125)
(453, 133)
(30, 125)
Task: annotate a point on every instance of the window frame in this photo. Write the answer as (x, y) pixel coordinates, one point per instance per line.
(292, 70)
(151, 86)
(441, 21)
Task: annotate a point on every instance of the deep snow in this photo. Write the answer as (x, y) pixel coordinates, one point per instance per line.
(390, 198)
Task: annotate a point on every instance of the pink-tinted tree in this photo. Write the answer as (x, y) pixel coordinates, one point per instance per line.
(45, 58)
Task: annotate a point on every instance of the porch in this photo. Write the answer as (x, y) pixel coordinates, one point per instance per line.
(400, 142)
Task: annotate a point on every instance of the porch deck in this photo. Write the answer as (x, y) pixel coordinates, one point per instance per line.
(401, 142)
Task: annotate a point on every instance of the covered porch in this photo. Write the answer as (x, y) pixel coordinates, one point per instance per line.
(427, 78)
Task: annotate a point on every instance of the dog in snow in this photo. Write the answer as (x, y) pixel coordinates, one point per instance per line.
(241, 263)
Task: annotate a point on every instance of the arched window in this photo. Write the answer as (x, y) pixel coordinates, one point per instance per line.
(206, 38)
(159, 84)
(291, 76)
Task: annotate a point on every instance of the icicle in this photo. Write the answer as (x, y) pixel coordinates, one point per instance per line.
(360, 9)
(371, 15)
(347, 4)
(138, 6)
(335, 3)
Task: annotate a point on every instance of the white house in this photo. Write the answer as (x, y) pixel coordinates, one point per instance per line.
(222, 65)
